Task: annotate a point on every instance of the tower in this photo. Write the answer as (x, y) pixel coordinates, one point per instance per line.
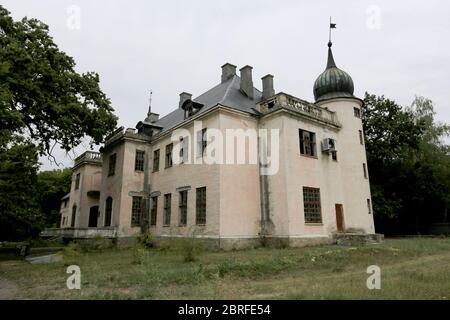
(333, 89)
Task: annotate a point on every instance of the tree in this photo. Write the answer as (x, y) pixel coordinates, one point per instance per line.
(409, 164)
(51, 187)
(43, 102)
(41, 95)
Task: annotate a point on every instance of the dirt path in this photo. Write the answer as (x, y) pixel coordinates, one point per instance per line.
(8, 289)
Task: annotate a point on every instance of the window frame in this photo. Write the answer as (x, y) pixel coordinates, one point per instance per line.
(168, 160)
(108, 211)
(167, 209)
(154, 210)
(361, 137)
(182, 208)
(156, 160)
(200, 206)
(310, 143)
(77, 180)
(202, 142)
(357, 112)
(136, 211)
(312, 202)
(139, 160)
(112, 160)
(365, 171)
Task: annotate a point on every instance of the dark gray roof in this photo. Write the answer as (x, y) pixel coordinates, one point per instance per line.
(227, 93)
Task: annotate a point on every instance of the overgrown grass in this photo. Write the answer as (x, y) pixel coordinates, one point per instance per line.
(414, 268)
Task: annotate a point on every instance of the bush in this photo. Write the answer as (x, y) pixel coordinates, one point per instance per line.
(146, 240)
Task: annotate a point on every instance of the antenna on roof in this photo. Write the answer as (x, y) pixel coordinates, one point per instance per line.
(150, 102)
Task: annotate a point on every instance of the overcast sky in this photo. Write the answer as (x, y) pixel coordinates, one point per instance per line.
(395, 48)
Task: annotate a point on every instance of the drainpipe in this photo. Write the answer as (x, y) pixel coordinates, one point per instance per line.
(264, 193)
(145, 221)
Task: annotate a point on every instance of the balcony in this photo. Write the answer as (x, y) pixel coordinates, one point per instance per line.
(300, 106)
(89, 157)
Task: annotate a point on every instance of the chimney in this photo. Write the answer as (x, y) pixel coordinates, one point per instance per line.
(267, 82)
(228, 71)
(183, 97)
(246, 81)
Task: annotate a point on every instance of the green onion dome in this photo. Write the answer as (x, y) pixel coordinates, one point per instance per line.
(333, 82)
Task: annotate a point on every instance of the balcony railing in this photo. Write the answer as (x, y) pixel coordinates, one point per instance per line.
(289, 102)
(89, 156)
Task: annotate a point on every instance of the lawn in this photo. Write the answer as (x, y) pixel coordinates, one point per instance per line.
(411, 268)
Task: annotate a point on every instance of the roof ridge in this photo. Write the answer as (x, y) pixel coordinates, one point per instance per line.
(227, 91)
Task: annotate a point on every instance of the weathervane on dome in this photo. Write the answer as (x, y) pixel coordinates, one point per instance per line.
(332, 26)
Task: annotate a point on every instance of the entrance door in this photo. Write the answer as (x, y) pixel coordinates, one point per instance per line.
(339, 218)
(93, 217)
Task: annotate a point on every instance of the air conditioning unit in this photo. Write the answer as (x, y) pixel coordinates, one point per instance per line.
(328, 145)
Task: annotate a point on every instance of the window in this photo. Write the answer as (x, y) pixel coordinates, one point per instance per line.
(136, 210)
(108, 211)
(202, 142)
(365, 170)
(112, 164)
(77, 181)
(361, 138)
(200, 214)
(139, 160)
(184, 149)
(74, 213)
(183, 207)
(167, 209)
(155, 160)
(169, 162)
(311, 205)
(334, 155)
(307, 143)
(153, 211)
(357, 112)
(369, 207)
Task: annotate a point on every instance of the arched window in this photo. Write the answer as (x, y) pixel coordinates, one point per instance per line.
(108, 211)
(74, 212)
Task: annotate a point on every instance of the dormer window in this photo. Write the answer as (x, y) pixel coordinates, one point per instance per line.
(190, 108)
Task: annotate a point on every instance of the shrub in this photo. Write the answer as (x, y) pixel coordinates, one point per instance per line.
(146, 240)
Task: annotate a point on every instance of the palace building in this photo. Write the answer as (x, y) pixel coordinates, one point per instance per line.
(232, 166)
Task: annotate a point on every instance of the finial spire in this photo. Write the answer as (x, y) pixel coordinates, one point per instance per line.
(150, 103)
(332, 26)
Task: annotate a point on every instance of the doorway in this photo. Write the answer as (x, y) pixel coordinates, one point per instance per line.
(93, 217)
(339, 217)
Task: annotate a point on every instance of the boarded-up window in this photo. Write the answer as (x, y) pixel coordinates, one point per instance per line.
(108, 211)
(307, 143)
(169, 149)
(112, 164)
(155, 160)
(183, 207)
(154, 211)
(184, 149)
(139, 160)
(311, 205)
(200, 213)
(136, 211)
(167, 209)
(357, 112)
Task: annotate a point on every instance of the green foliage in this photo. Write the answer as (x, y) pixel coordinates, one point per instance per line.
(42, 95)
(43, 102)
(52, 186)
(146, 240)
(20, 216)
(409, 164)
